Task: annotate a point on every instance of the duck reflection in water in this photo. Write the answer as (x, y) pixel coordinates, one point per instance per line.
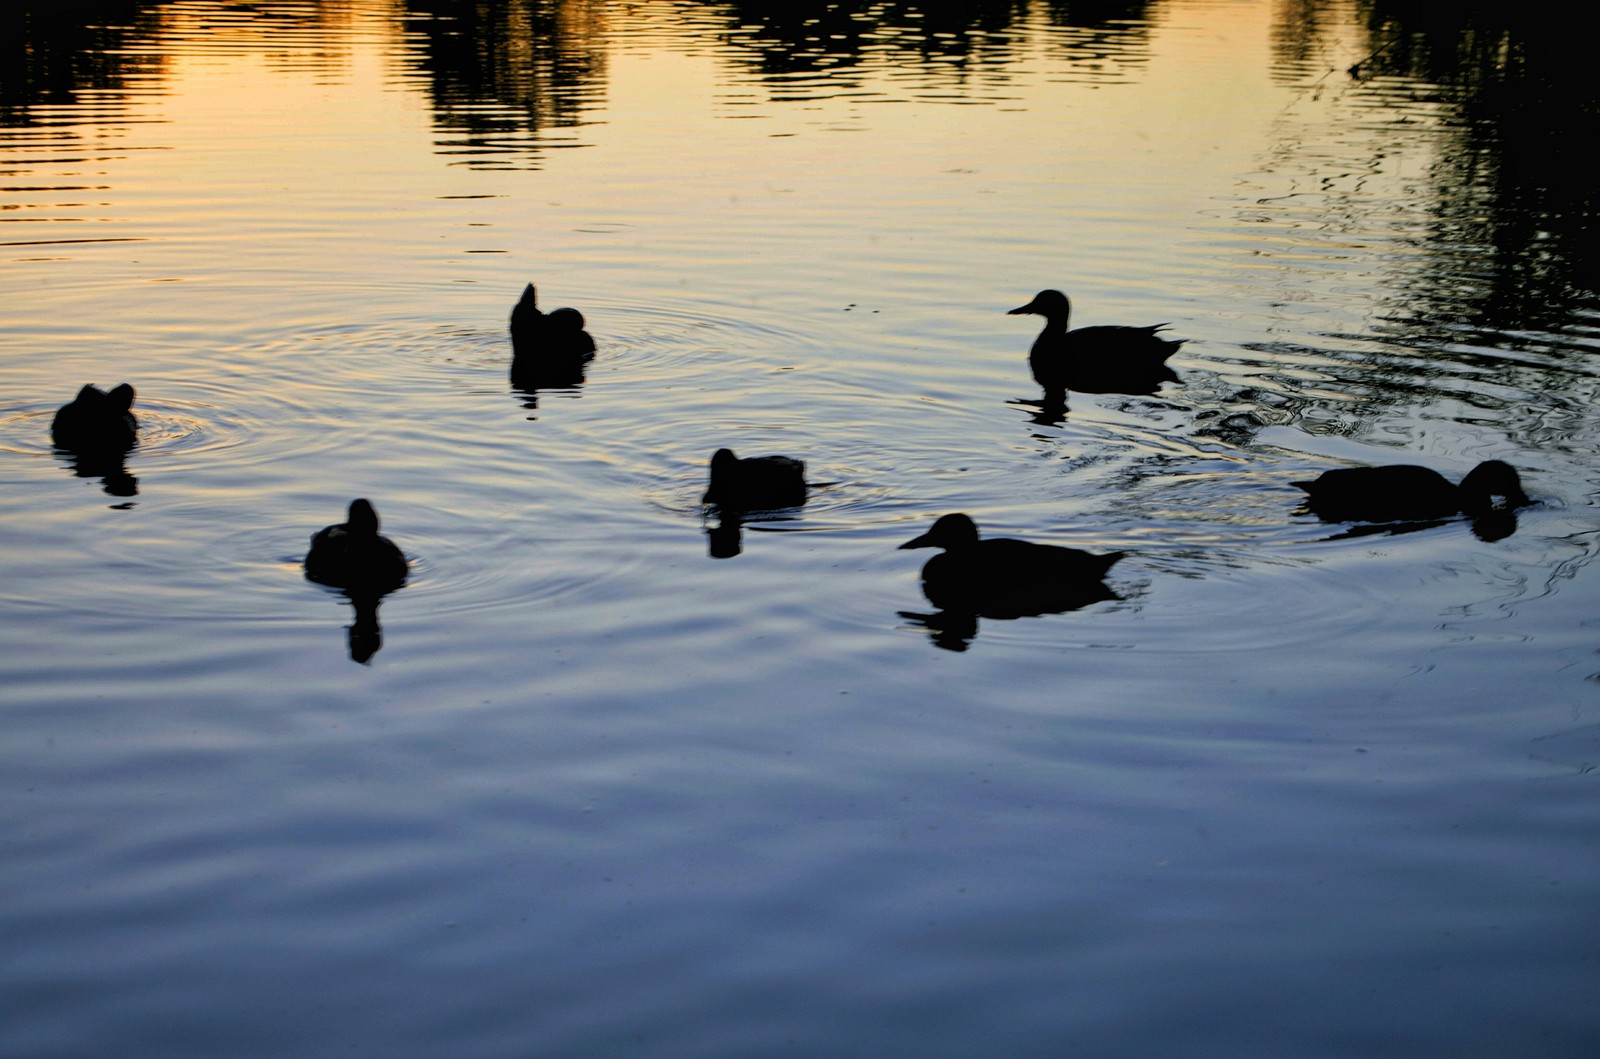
(762, 485)
(367, 566)
(1403, 498)
(549, 350)
(95, 432)
(1100, 359)
(1001, 577)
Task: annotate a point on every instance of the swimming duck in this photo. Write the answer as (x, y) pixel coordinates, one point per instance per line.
(1403, 492)
(558, 333)
(1101, 359)
(758, 483)
(96, 420)
(1003, 577)
(353, 555)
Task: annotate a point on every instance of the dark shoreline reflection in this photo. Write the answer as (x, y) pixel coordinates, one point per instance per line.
(510, 80)
(1517, 191)
(969, 44)
(51, 54)
(503, 75)
(1508, 254)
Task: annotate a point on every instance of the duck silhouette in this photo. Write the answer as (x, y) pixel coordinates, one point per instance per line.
(1001, 577)
(759, 483)
(548, 349)
(354, 556)
(1402, 492)
(96, 421)
(1102, 359)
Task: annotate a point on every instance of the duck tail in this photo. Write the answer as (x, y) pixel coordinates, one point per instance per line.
(1167, 346)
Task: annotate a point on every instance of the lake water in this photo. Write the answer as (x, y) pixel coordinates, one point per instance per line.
(1295, 791)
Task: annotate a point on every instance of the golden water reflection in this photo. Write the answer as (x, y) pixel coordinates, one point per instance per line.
(1464, 190)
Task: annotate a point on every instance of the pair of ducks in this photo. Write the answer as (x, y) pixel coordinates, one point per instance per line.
(548, 349)
(352, 554)
(1101, 359)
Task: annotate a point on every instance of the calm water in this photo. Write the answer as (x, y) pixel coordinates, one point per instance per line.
(1295, 792)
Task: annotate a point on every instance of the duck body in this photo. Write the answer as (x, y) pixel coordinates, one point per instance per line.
(353, 555)
(1002, 577)
(758, 483)
(96, 421)
(1107, 358)
(547, 345)
(1402, 492)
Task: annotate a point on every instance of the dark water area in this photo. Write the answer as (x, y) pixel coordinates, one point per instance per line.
(611, 773)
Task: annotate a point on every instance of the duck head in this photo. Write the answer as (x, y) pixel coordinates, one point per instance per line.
(1490, 479)
(362, 519)
(723, 463)
(949, 531)
(1051, 304)
(121, 397)
(564, 321)
(526, 312)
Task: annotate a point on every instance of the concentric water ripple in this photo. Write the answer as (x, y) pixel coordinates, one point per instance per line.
(26, 431)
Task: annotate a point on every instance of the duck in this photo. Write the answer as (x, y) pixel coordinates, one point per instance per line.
(1403, 492)
(96, 420)
(353, 555)
(1004, 577)
(757, 483)
(557, 334)
(1110, 358)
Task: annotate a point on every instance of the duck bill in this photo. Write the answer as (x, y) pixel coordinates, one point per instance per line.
(919, 542)
(1022, 309)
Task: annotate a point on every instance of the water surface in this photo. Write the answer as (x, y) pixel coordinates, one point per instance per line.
(596, 791)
